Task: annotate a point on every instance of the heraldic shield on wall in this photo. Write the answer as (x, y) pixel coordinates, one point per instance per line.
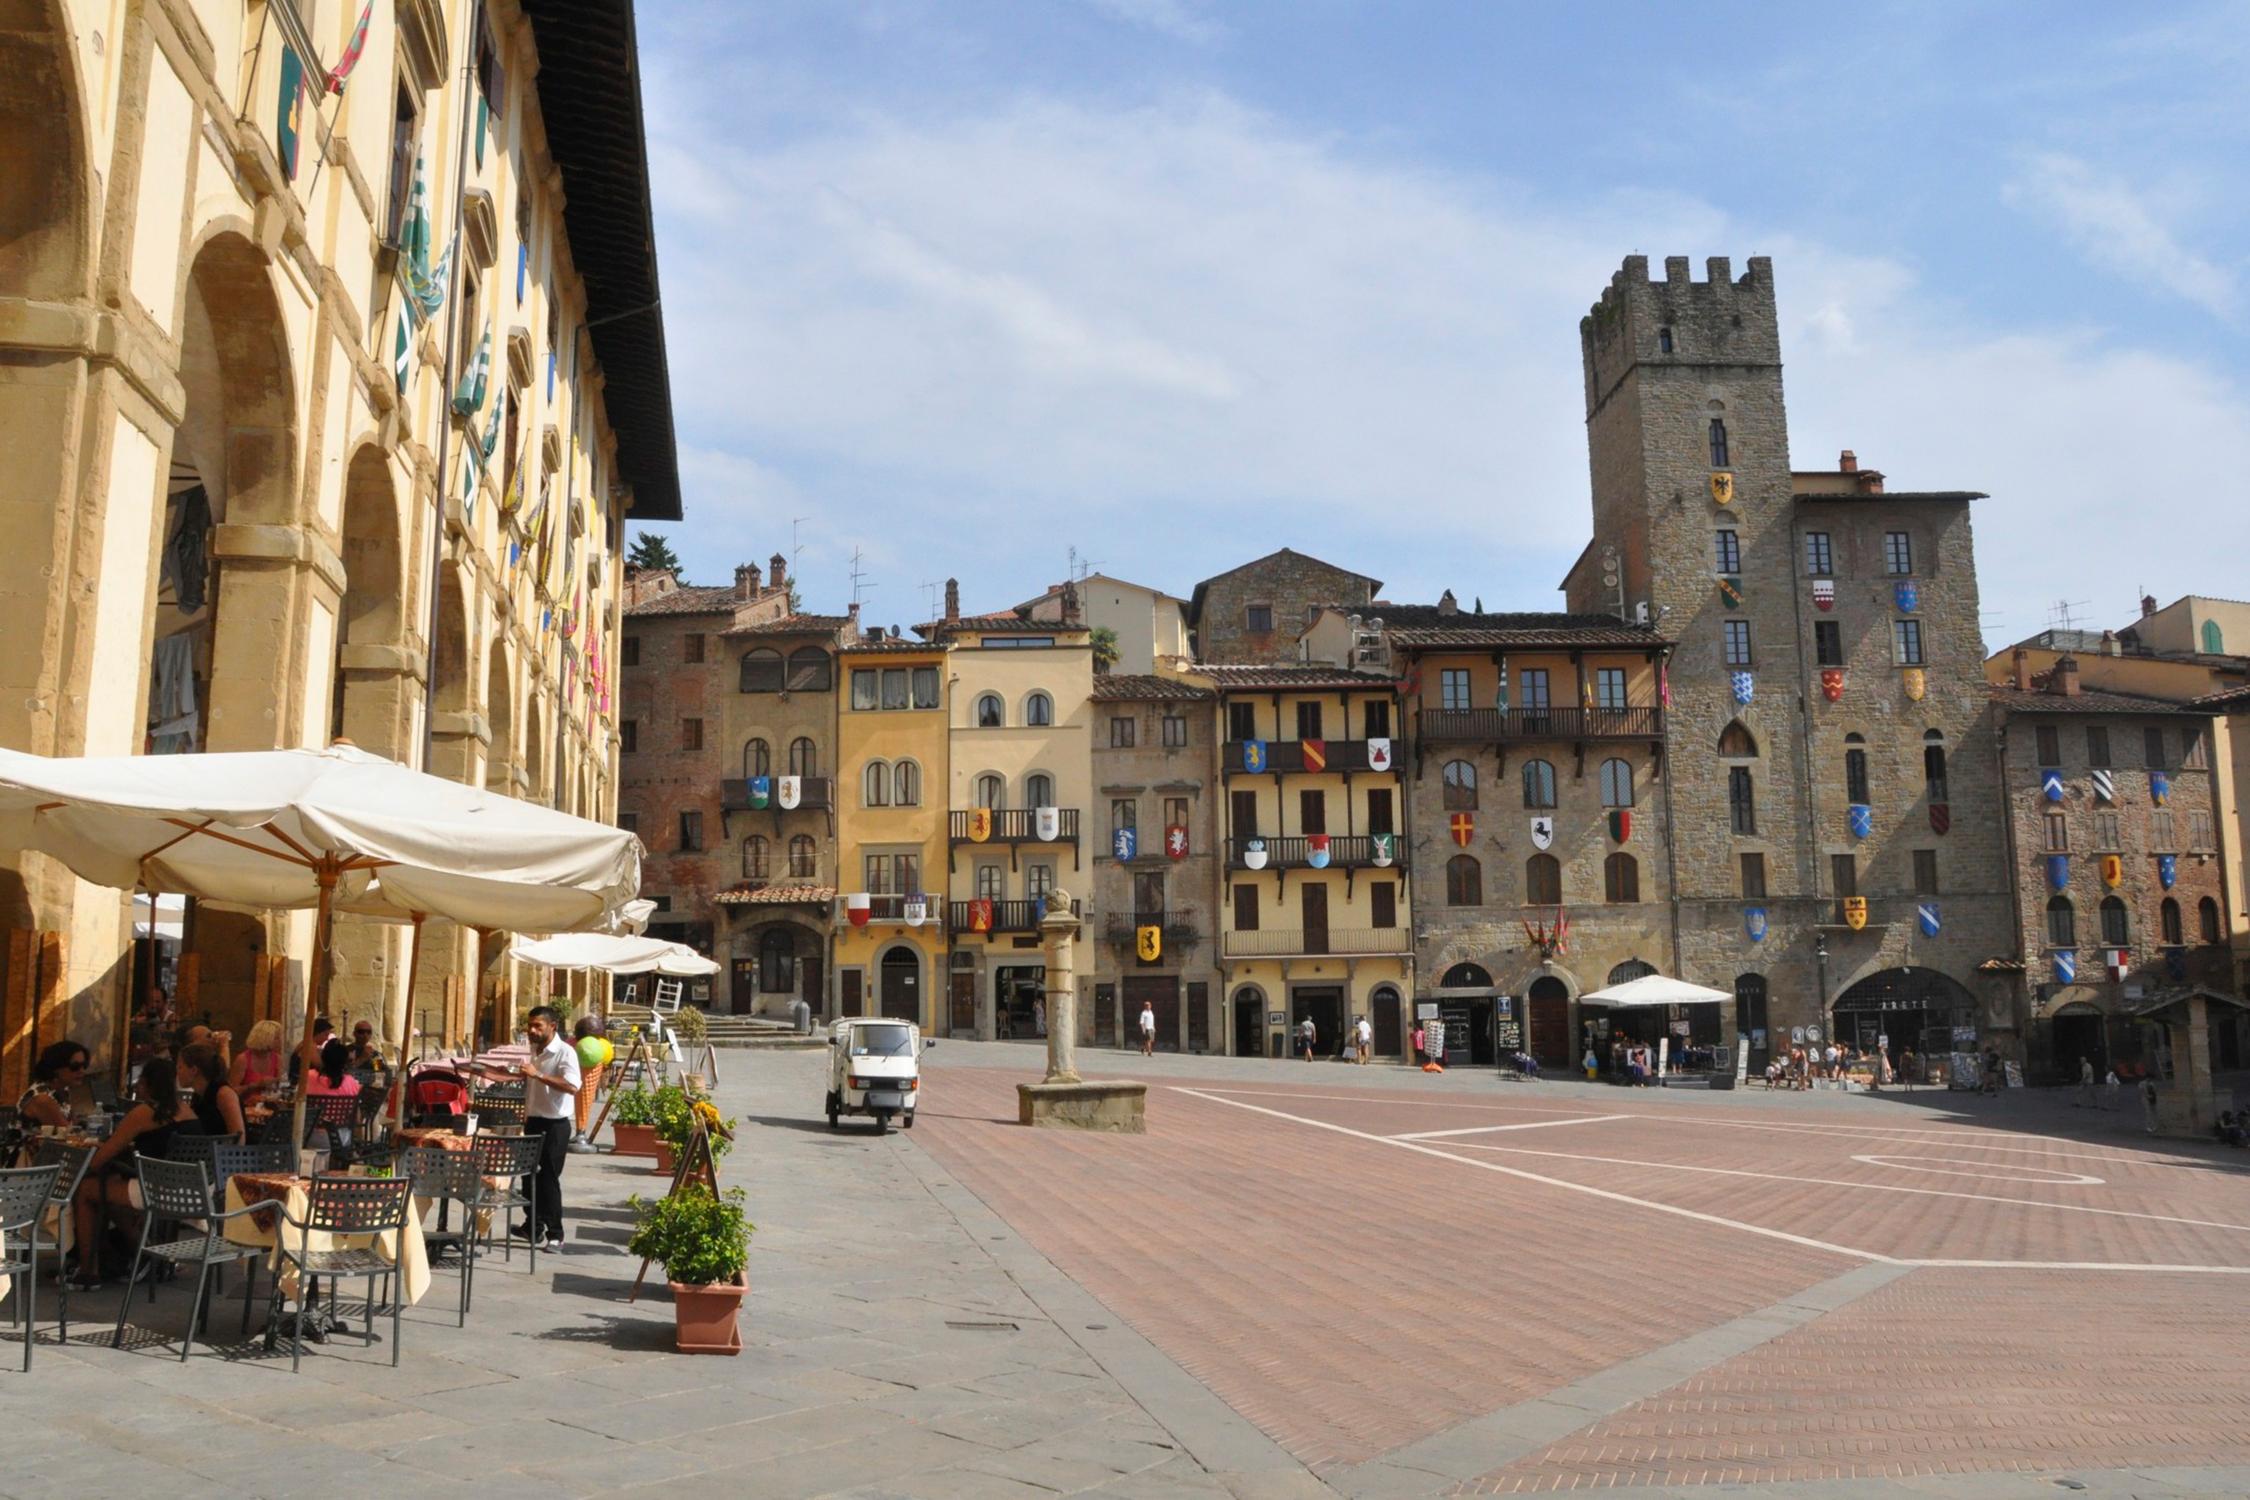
(2167, 869)
(1824, 594)
(761, 791)
(1855, 912)
(1253, 755)
(1379, 754)
(1722, 487)
(2113, 870)
(1832, 684)
(980, 824)
(1176, 840)
(1463, 826)
(1542, 831)
(790, 791)
(1754, 923)
(1621, 824)
(1148, 943)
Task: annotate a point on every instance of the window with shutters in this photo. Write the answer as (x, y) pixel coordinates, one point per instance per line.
(1382, 904)
(1464, 881)
(1754, 876)
(1175, 732)
(1375, 719)
(2117, 928)
(1460, 779)
(1245, 908)
(630, 651)
(1379, 816)
(1258, 619)
(1843, 873)
(1312, 811)
(1123, 729)
(2168, 922)
(2048, 740)
(1243, 814)
(1925, 872)
(1308, 721)
(811, 670)
(1621, 879)
(1828, 643)
(628, 735)
(755, 857)
(2108, 831)
(1542, 880)
(1742, 800)
(2062, 923)
(875, 785)
(804, 858)
(691, 734)
(1855, 776)
(691, 648)
(2097, 745)
(2152, 748)
(906, 784)
(2207, 920)
(2058, 833)
(1242, 721)
(762, 672)
(2162, 836)
(2199, 830)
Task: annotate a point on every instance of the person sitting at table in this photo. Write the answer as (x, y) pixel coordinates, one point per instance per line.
(331, 1074)
(307, 1055)
(198, 1035)
(365, 1052)
(259, 1065)
(158, 1116)
(218, 1108)
(58, 1086)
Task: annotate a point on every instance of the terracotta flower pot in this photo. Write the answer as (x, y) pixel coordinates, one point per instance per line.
(665, 1160)
(705, 1317)
(635, 1140)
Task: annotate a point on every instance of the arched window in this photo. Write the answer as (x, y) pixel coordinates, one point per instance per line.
(1718, 443)
(1538, 783)
(754, 857)
(777, 960)
(811, 671)
(804, 859)
(991, 791)
(1750, 1007)
(1855, 776)
(877, 791)
(1464, 881)
(1460, 786)
(1467, 977)
(757, 758)
(2214, 639)
(1736, 740)
(2169, 916)
(1621, 879)
(762, 671)
(804, 757)
(2207, 920)
(1039, 709)
(2062, 923)
(1039, 790)
(2116, 929)
(907, 781)
(1542, 880)
(1617, 783)
(1631, 969)
(991, 714)
(1933, 765)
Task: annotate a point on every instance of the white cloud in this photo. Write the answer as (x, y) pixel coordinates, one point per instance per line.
(1182, 334)
(1179, 19)
(2111, 224)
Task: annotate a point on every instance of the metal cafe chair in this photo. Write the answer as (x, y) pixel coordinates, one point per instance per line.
(228, 1159)
(508, 1160)
(179, 1194)
(447, 1177)
(24, 1195)
(70, 1162)
(335, 1205)
(498, 1111)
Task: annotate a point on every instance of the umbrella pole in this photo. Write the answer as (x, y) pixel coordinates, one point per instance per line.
(406, 1020)
(316, 992)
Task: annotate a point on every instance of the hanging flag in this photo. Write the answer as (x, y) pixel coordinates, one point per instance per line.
(1464, 826)
(550, 375)
(1125, 843)
(1500, 698)
(1862, 820)
(1664, 682)
(1621, 824)
(425, 282)
(980, 824)
(1316, 850)
(1855, 912)
(980, 914)
(1379, 754)
(1253, 755)
(1754, 923)
(2167, 869)
(859, 907)
(1722, 488)
(2058, 870)
(1315, 753)
(915, 909)
(1585, 693)
(2066, 967)
(1926, 913)
(511, 499)
(1730, 592)
(468, 396)
(2105, 785)
(2119, 962)
(1915, 684)
(1384, 847)
(2051, 784)
(1148, 942)
(1941, 817)
(2113, 870)
(1046, 824)
(1909, 597)
(761, 791)
(1744, 686)
(1543, 831)
(402, 347)
(2159, 787)
(290, 115)
(1832, 684)
(1824, 594)
(338, 75)
(1254, 854)
(1176, 841)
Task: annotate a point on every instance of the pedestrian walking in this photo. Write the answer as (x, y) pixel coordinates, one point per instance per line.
(2148, 1104)
(1991, 1071)
(1906, 1068)
(1148, 1029)
(2085, 1099)
(1308, 1038)
(550, 1088)
(1420, 1057)
(1365, 1039)
(2116, 1088)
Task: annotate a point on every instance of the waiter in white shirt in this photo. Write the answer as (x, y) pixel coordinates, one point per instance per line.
(550, 1091)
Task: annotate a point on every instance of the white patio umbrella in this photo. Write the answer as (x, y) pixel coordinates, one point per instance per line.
(1654, 989)
(614, 955)
(318, 828)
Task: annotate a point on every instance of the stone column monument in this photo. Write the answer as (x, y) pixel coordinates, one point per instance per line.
(1062, 1098)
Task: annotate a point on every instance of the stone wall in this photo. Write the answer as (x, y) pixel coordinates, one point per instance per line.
(1291, 584)
(659, 780)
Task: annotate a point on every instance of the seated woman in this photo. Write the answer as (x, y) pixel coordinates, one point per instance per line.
(148, 1129)
(58, 1087)
(259, 1066)
(218, 1108)
(331, 1074)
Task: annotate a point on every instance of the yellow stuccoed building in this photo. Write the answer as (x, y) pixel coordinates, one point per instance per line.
(330, 370)
(891, 770)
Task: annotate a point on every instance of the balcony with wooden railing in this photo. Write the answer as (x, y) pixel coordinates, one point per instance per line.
(815, 794)
(1007, 916)
(890, 910)
(1494, 726)
(1289, 757)
(1299, 942)
(1017, 825)
(1179, 926)
(1345, 851)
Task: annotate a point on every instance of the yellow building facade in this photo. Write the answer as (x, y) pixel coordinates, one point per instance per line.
(324, 416)
(892, 769)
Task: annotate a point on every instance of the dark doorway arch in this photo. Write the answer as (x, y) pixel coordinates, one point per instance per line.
(1249, 1022)
(1386, 1006)
(1750, 1018)
(1632, 968)
(1917, 1008)
(1466, 976)
(900, 982)
(1547, 1022)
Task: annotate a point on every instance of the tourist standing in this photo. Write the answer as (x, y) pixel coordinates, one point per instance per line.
(1308, 1037)
(1991, 1071)
(1366, 1037)
(1148, 1029)
(1906, 1068)
(551, 1084)
(2148, 1102)
(2085, 1099)
(1420, 1057)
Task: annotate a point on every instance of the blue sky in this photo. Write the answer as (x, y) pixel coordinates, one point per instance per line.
(965, 284)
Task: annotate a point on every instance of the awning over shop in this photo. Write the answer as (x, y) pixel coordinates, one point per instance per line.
(614, 955)
(1653, 990)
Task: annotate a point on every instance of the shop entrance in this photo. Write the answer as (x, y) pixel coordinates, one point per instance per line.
(1385, 1020)
(1249, 1022)
(963, 1021)
(2078, 1031)
(1019, 1001)
(1917, 1008)
(901, 985)
(1325, 1004)
(1548, 1010)
(1161, 993)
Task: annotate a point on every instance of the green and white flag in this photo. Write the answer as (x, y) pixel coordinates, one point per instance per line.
(468, 396)
(425, 283)
(402, 348)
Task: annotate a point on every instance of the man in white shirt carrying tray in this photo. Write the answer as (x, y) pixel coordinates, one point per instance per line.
(550, 1089)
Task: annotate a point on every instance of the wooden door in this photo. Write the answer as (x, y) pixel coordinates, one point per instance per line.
(743, 997)
(1161, 994)
(964, 1018)
(811, 979)
(1385, 1020)
(1105, 1015)
(902, 987)
(850, 992)
(1549, 1017)
(1199, 1016)
(1314, 898)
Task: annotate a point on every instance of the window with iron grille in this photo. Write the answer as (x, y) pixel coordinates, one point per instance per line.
(1742, 801)
(1820, 557)
(1729, 546)
(1898, 552)
(1737, 637)
(1925, 872)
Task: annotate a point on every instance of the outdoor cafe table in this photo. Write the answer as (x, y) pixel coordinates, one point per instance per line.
(263, 1230)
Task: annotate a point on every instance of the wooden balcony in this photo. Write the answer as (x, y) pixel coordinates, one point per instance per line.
(1288, 757)
(1007, 916)
(817, 795)
(1017, 825)
(1493, 726)
(890, 911)
(1179, 926)
(1345, 852)
(1296, 942)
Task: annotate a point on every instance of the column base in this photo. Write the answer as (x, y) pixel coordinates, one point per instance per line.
(1112, 1105)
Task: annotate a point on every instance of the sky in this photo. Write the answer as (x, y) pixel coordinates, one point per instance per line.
(960, 285)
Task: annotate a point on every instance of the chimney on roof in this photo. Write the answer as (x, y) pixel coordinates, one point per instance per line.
(2022, 664)
(2063, 680)
(777, 572)
(1848, 462)
(1447, 604)
(746, 581)
(1073, 611)
(953, 599)
(2109, 644)
(2148, 605)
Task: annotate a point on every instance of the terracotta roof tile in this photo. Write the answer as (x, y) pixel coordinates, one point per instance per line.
(1142, 687)
(795, 625)
(1238, 677)
(1426, 625)
(689, 599)
(746, 894)
(2086, 701)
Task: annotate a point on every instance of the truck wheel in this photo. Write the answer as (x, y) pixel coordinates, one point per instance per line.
(883, 1124)
(909, 1119)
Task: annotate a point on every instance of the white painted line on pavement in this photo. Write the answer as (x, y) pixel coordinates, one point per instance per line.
(1432, 1135)
(2055, 1176)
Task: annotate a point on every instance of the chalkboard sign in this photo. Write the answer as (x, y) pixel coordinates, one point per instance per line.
(1507, 1037)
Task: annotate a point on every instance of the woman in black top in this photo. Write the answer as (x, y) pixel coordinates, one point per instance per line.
(159, 1115)
(56, 1079)
(218, 1108)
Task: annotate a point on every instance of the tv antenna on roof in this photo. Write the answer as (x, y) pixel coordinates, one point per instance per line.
(930, 592)
(1081, 566)
(860, 586)
(2063, 614)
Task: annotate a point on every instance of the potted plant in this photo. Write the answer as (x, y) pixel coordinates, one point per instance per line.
(676, 1108)
(703, 1243)
(633, 1122)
